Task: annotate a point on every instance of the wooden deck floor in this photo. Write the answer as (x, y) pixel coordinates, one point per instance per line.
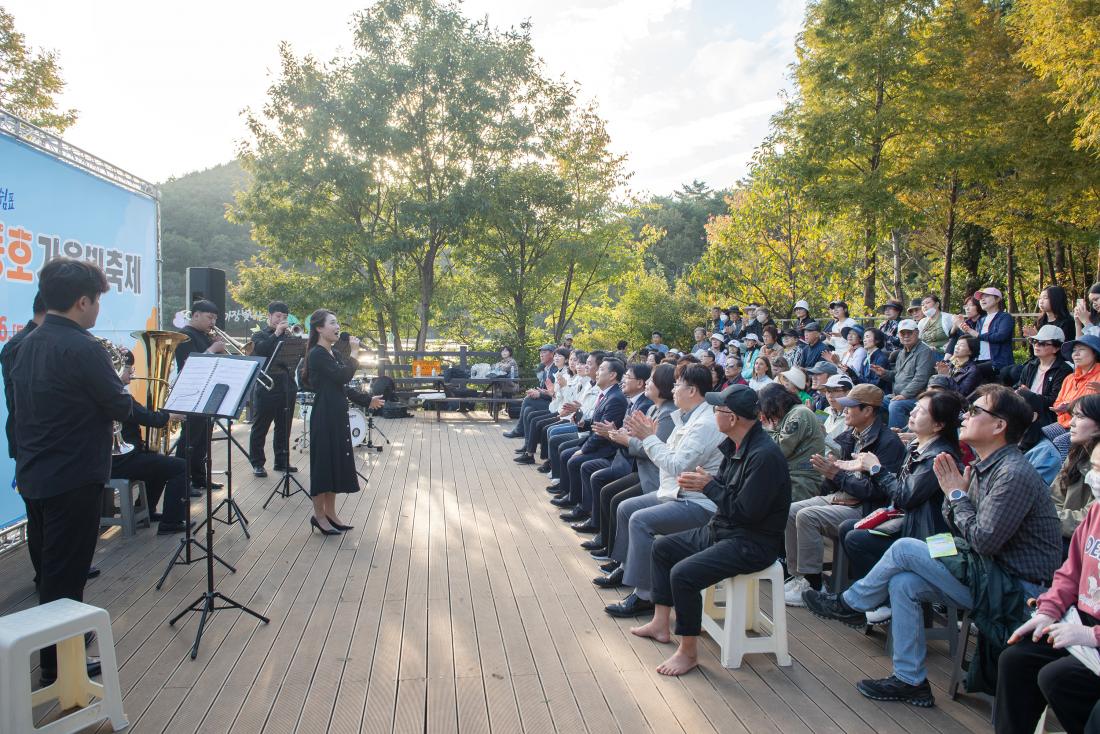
(458, 603)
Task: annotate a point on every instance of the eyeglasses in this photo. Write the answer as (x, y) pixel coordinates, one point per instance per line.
(723, 410)
(974, 409)
(1043, 344)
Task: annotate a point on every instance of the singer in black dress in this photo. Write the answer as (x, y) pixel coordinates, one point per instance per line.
(331, 460)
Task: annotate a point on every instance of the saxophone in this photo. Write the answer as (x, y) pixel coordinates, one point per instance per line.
(119, 447)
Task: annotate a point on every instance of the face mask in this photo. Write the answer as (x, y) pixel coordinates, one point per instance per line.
(929, 311)
(1092, 479)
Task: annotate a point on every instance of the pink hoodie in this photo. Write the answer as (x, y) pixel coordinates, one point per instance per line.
(1077, 582)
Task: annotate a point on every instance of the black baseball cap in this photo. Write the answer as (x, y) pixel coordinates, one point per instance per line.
(741, 399)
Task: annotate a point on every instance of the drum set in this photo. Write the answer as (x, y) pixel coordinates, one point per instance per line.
(357, 417)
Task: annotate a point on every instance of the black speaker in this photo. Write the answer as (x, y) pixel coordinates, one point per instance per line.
(207, 284)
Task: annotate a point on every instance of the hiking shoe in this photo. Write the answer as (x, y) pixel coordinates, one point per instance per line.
(793, 589)
(893, 689)
(827, 605)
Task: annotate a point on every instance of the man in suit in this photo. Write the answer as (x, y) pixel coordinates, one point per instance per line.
(599, 472)
(610, 408)
(196, 430)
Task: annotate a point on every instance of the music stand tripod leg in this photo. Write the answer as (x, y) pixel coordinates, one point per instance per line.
(205, 604)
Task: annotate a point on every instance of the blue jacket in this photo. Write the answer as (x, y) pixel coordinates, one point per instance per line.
(999, 337)
(611, 408)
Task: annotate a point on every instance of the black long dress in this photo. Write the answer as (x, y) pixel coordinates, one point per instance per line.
(331, 462)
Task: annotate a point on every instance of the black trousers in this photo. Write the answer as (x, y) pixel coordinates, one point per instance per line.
(1031, 675)
(610, 496)
(163, 475)
(685, 563)
(863, 547)
(62, 531)
(271, 406)
(525, 407)
(537, 437)
(530, 434)
(196, 434)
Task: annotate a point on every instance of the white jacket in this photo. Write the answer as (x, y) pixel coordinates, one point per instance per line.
(691, 444)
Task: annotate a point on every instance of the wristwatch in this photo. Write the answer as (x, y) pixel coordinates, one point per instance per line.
(875, 469)
(956, 494)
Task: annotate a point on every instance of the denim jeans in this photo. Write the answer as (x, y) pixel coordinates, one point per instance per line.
(899, 411)
(905, 577)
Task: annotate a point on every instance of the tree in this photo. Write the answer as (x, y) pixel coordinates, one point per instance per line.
(367, 167)
(1060, 41)
(680, 221)
(854, 71)
(30, 80)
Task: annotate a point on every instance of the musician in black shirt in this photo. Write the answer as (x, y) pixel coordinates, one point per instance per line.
(7, 360)
(162, 475)
(67, 397)
(274, 405)
(203, 316)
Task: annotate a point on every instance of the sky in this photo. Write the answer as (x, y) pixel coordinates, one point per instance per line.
(686, 86)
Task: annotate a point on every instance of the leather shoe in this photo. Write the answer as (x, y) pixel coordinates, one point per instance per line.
(520, 450)
(195, 492)
(562, 501)
(93, 572)
(171, 528)
(287, 469)
(545, 468)
(524, 458)
(511, 434)
(609, 566)
(574, 515)
(612, 580)
(586, 527)
(600, 554)
(49, 675)
(554, 489)
(259, 471)
(594, 543)
(631, 606)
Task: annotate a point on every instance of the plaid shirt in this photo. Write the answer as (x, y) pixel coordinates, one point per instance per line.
(1008, 515)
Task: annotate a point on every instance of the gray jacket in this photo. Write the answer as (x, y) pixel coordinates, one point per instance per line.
(912, 370)
(649, 476)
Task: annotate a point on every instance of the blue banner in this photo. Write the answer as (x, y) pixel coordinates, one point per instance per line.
(48, 209)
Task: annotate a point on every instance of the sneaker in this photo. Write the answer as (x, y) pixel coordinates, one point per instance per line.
(827, 605)
(879, 616)
(792, 591)
(893, 689)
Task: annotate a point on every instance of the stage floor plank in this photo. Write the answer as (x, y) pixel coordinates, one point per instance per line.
(458, 603)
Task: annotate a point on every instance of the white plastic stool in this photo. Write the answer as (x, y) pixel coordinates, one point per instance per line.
(62, 622)
(742, 613)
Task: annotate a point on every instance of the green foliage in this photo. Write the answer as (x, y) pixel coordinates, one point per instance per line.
(30, 80)
(1060, 42)
(678, 223)
(195, 232)
(649, 304)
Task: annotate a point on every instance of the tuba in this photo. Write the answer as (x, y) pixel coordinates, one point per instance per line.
(119, 447)
(160, 350)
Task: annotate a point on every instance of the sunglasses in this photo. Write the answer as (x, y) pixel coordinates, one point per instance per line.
(1043, 343)
(974, 409)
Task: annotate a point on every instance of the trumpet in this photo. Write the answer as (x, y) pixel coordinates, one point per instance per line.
(237, 349)
(297, 331)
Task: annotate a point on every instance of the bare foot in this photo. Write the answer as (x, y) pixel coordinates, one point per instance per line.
(678, 664)
(653, 631)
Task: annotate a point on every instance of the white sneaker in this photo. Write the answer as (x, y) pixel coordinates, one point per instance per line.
(792, 591)
(879, 616)
(554, 482)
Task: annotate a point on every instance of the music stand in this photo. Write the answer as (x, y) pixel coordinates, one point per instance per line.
(211, 387)
(288, 353)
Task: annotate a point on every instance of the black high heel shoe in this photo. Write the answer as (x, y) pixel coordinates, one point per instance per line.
(317, 525)
(337, 525)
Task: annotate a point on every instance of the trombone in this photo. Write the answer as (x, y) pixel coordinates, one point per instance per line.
(239, 349)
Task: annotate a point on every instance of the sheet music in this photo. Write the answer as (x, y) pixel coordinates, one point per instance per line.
(199, 377)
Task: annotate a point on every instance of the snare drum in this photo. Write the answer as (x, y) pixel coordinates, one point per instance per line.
(357, 424)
